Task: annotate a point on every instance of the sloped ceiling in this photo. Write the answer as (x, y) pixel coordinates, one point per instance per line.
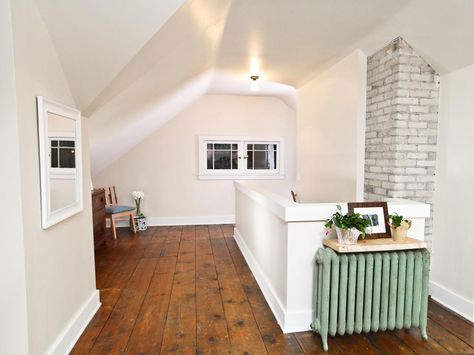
(96, 39)
(132, 65)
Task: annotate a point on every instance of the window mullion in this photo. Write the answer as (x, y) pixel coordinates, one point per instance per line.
(241, 160)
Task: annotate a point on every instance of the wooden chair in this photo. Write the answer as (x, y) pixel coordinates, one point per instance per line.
(294, 196)
(114, 211)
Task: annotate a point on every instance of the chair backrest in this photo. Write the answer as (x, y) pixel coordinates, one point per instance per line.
(294, 196)
(111, 196)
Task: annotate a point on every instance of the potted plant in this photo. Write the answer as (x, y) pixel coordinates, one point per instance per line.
(348, 227)
(140, 219)
(399, 227)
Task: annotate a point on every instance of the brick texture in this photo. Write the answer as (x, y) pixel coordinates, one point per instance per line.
(401, 126)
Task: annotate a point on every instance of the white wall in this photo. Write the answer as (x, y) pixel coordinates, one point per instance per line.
(59, 261)
(453, 237)
(331, 132)
(13, 323)
(165, 164)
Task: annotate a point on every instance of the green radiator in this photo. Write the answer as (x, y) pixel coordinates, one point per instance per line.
(363, 292)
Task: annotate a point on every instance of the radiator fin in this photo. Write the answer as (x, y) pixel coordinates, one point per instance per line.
(369, 283)
(351, 294)
(385, 291)
(360, 292)
(341, 328)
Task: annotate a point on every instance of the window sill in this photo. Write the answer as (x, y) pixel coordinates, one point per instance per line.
(241, 177)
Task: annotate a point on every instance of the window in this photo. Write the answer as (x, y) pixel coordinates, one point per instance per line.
(240, 158)
(63, 154)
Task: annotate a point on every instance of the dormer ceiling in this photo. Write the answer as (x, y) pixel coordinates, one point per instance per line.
(95, 40)
(122, 57)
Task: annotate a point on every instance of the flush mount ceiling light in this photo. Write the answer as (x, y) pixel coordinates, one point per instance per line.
(254, 85)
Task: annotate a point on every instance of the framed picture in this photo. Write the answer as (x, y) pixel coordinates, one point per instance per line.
(377, 213)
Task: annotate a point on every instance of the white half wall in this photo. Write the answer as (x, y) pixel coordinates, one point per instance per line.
(453, 237)
(59, 261)
(165, 165)
(331, 132)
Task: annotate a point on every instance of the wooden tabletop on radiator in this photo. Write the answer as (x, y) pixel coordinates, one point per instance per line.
(368, 245)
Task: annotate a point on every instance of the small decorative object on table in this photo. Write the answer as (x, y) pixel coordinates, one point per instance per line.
(399, 227)
(348, 226)
(140, 219)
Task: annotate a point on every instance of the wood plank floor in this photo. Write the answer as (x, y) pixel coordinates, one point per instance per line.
(188, 290)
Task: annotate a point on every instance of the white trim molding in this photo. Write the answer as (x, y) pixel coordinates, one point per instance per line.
(191, 220)
(452, 300)
(181, 221)
(270, 295)
(71, 333)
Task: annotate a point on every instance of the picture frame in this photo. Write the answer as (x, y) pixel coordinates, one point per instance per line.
(378, 213)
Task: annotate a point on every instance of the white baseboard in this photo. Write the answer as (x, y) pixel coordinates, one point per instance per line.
(181, 221)
(452, 300)
(65, 342)
(289, 322)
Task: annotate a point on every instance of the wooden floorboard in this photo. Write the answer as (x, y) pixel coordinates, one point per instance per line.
(189, 290)
(461, 328)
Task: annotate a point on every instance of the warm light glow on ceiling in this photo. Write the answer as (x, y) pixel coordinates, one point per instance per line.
(254, 66)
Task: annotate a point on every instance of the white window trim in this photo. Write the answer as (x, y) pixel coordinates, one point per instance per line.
(240, 174)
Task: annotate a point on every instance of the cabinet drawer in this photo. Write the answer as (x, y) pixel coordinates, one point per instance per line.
(99, 217)
(98, 202)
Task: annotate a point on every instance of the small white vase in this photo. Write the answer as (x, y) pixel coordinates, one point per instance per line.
(347, 236)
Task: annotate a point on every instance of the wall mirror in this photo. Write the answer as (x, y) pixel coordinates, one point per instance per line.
(59, 134)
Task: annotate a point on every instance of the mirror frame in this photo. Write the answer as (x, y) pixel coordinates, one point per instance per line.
(45, 106)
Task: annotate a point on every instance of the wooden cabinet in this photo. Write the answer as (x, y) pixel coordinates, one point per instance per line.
(98, 215)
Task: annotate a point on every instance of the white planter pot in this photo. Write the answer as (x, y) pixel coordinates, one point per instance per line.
(347, 236)
(140, 223)
(399, 234)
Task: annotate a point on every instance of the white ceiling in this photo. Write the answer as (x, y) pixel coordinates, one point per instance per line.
(125, 57)
(96, 39)
(441, 31)
(293, 38)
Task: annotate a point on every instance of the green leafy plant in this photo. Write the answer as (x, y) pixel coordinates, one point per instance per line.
(399, 221)
(348, 221)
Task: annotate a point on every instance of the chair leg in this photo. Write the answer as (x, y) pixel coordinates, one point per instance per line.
(132, 223)
(112, 225)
